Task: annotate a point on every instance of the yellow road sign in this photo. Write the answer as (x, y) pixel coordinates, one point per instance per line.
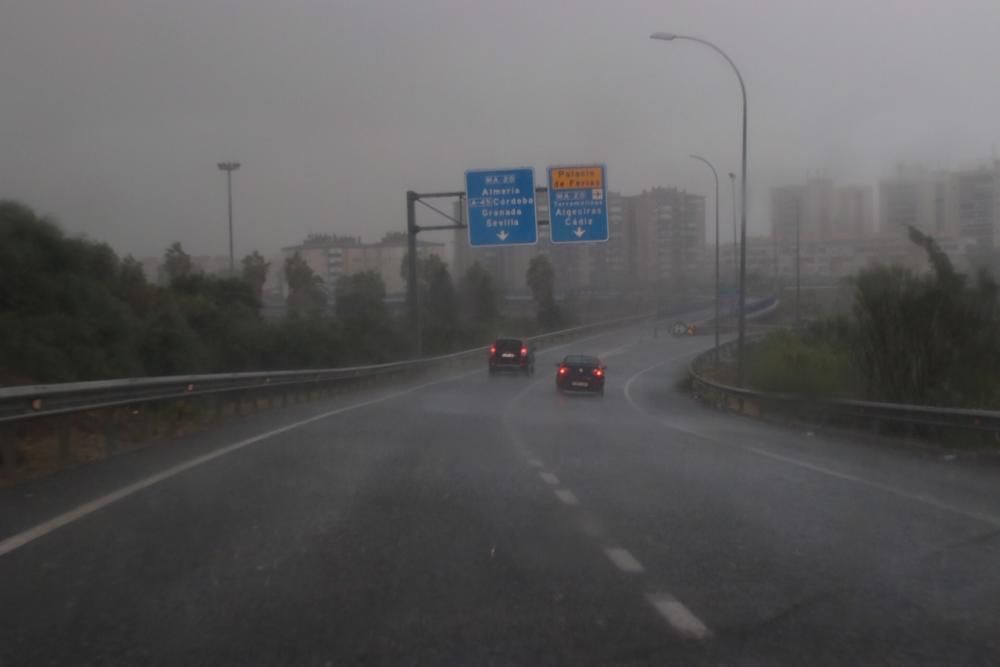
(574, 178)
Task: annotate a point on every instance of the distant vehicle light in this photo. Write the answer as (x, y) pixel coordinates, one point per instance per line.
(598, 372)
(524, 351)
(562, 370)
(493, 350)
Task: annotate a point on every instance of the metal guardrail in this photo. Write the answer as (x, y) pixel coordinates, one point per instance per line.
(36, 401)
(755, 309)
(27, 406)
(913, 419)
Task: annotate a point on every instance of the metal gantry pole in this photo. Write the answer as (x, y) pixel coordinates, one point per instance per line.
(716, 175)
(412, 288)
(412, 275)
(229, 191)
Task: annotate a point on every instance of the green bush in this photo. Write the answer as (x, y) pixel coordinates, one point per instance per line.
(930, 338)
(786, 363)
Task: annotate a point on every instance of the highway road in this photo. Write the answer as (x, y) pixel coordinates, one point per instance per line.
(475, 521)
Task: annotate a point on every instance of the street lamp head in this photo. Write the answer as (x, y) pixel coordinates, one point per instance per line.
(229, 166)
(665, 36)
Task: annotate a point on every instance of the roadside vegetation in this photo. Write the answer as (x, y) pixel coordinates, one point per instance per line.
(71, 309)
(930, 338)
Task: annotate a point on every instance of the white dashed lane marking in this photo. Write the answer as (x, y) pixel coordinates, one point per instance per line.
(678, 616)
(624, 560)
(566, 496)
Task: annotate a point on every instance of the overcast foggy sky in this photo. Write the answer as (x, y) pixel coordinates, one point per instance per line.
(114, 113)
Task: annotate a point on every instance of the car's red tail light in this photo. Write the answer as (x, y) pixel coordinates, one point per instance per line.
(598, 372)
(493, 350)
(562, 370)
(524, 351)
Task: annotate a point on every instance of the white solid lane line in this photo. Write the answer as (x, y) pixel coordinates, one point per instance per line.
(549, 478)
(930, 501)
(678, 616)
(624, 560)
(628, 384)
(30, 535)
(926, 500)
(566, 496)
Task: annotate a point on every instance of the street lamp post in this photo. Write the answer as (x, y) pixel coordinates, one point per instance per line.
(798, 284)
(229, 168)
(716, 175)
(736, 244)
(669, 37)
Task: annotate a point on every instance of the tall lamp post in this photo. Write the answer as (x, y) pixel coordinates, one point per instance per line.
(229, 168)
(716, 175)
(736, 243)
(669, 37)
(798, 283)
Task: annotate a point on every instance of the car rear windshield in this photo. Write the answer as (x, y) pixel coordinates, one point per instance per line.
(508, 345)
(579, 359)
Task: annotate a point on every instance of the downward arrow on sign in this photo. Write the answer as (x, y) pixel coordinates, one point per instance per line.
(503, 235)
(579, 231)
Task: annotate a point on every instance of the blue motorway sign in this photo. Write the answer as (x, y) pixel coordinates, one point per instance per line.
(578, 204)
(501, 206)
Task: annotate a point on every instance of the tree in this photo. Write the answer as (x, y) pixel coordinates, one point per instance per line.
(305, 287)
(167, 344)
(926, 338)
(439, 304)
(479, 303)
(365, 323)
(133, 287)
(70, 309)
(61, 314)
(177, 263)
(541, 279)
(223, 312)
(360, 296)
(255, 269)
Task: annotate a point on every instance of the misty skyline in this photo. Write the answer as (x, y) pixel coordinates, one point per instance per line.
(115, 113)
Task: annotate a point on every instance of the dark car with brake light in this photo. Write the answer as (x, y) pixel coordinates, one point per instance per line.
(511, 354)
(579, 372)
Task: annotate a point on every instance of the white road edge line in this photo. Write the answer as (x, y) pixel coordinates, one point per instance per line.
(549, 478)
(628, 384)
(624, 560)
(926, 500)
(678, 616)
(19, 540)
(988, 519)
(566, 496)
